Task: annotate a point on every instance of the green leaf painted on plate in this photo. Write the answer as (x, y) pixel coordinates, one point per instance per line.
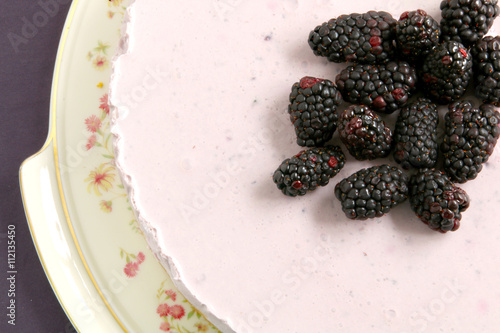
(190, 314)
(107, 140)
(101, 47)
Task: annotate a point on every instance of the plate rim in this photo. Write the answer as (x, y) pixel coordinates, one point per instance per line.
(50, 147)
(110, 312)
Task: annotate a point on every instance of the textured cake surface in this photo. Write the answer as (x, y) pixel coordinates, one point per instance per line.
(200, 96)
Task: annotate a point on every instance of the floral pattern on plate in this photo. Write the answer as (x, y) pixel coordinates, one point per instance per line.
(174, 312)
(133, 262)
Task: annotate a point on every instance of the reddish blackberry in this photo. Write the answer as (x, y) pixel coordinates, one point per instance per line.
(384, 87)
(363, 38)
(466, 21)
(446, 72)
(308, 169)
(364, 133)
(312, 110)
(470, 137)
(486, 59)
(436, 200)
(415, 135)
(372, 192)
(416, 34)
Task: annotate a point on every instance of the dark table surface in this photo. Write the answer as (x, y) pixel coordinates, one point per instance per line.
(27, 62)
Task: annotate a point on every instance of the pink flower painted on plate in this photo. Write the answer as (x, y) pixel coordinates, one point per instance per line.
(171, 294)
(177, 311)
(104, 103)
(140, 257)
(106, 206)
(91, 142)
(177, 315)
(163, 309)
(165, 326)
(110, 14)
(101, 63)
(93, 123)
(133, 262)
(131, 269)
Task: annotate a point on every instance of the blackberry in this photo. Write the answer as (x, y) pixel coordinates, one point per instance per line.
(415, 135)
(364, 133)
(308, 169)
(466, 21)
(486, 60)
(470, 137)
(446, 72)
(312, 110)
(436, 200)
(363, 38)
(384, 87)
(372, 192)
(416, 34)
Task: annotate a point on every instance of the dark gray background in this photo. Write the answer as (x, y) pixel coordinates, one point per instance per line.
(25, 81)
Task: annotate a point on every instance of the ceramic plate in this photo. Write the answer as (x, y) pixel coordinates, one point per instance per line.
(86, 235)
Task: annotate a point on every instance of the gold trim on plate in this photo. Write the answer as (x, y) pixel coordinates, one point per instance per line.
(52, 138)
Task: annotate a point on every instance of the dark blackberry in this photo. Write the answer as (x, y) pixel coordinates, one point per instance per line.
(312, 110)
(308, 169)
(466, 21)
(363, 38)
(446, 72)
(486, 60)
(415, 135)
(416, 34)
(372, 192)
(470, 137)
(436, 200)
(364, 133)
(384, 87)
